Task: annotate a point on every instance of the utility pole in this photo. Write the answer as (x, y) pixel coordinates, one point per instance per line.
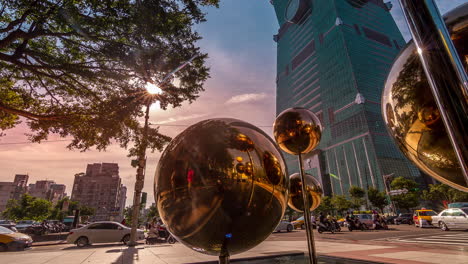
(140, 179)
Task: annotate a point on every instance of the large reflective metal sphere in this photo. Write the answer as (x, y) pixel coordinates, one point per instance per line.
(297, 130)
(412, 116)
(221, 186)
(314, 192)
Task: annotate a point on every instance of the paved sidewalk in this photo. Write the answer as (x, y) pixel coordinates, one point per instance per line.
(177, 253)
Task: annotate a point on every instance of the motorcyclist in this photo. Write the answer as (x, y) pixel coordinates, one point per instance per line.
(350, 221)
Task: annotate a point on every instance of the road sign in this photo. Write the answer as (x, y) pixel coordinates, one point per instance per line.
(397, 192)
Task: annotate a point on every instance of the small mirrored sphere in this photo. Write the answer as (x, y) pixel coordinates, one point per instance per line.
(221, 186)
(411, 113)
(313, 189)
(297, 131)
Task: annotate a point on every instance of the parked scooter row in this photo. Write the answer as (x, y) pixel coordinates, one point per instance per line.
(45, 228)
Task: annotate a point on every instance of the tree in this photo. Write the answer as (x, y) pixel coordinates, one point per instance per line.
(357, 194)
(87, 211)
(441, 193)
(78, 68)
(152, 213)
(128, 216)
(341, 203)
(325, 205)
(377, 199)
(406, 200)
(28, 208)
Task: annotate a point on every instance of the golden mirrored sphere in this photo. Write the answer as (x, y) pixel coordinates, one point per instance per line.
(221, 186)
(314, 192)
(411, 113)
(297, 131)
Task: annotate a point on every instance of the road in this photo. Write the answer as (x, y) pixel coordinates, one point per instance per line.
(396, 233)
(400, 234)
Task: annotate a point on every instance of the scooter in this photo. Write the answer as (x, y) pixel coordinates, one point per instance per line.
(326, 228)
(162, 237)
(355, 225)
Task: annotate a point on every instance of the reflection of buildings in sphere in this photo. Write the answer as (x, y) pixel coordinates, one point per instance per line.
(216, 215)
(411, 113)
(313, 189)
(297, 131)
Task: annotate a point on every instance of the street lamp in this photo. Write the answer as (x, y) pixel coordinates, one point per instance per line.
(153, 91)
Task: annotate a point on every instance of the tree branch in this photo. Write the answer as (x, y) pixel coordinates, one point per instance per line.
(30, 115)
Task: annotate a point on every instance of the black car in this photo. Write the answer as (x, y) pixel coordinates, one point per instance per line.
(406, 218)
(9, 224)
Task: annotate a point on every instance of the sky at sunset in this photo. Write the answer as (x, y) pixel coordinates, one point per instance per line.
(242, 56)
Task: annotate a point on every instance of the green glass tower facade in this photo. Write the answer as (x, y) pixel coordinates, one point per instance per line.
(333, 58)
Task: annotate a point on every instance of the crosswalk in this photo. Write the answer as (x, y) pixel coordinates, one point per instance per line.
(459, 239)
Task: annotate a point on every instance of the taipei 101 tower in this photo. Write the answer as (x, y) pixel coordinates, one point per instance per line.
(333, 58)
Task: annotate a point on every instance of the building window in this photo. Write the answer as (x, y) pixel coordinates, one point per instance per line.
(377, 36)
(303, 55)
(331, 115)
(358, 31)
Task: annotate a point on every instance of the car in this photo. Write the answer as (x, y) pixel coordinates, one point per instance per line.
(404, 218)
(366, 220)
(9, 224)
(101, 232)
(299, 223)
(452, 218)
(423, 218)
(284, 225)
(25, 224)
(10, 240)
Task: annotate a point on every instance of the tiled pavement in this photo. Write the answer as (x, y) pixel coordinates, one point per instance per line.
(177, 253)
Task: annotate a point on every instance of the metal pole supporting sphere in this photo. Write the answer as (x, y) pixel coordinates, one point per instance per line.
(444, 70)
(298, 131)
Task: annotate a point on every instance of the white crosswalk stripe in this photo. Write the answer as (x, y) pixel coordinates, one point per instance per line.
(460, 239)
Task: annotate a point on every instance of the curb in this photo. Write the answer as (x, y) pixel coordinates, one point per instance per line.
(47, 243)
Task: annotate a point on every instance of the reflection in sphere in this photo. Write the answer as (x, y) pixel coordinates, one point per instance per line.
(236, 194)
(297, 130)
(411, 113)
(314, 192)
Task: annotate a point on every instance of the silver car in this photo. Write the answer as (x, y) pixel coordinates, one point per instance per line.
(453, 218)
(284, 225)
(101, 232)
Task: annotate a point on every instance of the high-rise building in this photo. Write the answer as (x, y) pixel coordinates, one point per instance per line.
(12, 190)
(333, 57)
(41, 189)
(101, 188)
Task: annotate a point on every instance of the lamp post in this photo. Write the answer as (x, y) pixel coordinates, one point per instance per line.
(153, 91)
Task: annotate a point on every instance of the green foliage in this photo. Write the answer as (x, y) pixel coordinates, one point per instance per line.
(78, 68)
(377, 199)
(325, 205)
(152, 213)
(28, 208)
(357, 194)
(129, 218)
(407, 200)
(87, 211)
(441, 192)
(340, 203)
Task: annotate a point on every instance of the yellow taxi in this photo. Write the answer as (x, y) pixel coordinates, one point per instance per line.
(13, 240)
(423, 218)
(299, 223)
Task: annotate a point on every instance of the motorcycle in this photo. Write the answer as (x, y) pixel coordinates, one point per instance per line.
(355, 225)
(337, 225)
(163, 236)
(380, 225)
(329, 227)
